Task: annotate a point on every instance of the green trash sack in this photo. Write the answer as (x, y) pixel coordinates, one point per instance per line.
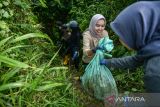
(97, 79)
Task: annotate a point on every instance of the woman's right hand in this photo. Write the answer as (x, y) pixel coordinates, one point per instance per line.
(97, 48)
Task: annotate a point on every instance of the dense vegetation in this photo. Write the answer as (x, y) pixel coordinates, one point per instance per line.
(31, 73)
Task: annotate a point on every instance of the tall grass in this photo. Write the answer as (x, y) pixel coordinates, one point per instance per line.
(31, 73)
(25, 82)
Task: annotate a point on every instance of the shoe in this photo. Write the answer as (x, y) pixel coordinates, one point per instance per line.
(66, 60)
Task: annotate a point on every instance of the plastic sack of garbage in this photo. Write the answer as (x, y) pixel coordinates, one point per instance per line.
(97, 79)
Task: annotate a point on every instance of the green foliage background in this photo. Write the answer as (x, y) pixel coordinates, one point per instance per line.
(31, 72)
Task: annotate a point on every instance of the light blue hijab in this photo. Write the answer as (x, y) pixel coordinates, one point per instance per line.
(138, 26)
(93, 22)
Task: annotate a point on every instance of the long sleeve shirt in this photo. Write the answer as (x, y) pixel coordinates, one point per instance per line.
(89, 43)
(125, 62)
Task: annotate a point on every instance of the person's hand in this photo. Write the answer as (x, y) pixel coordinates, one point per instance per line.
(103, 62)
(75, 55)
(97, 48)
(100, 48)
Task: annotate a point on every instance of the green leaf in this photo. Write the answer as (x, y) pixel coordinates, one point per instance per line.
(37, 56)
(11, 85)
(58, 68)
(5, 3)
(134, 89)
(31, 35)
(68, 86)
(49, 63)
(2, 42)
(9, 74)
(11, 12)
(15, 47)
(3, 25)
(58, 1)
(43, 3)
(49, 86)
(1, 5)
(13, 62)
(6, 14)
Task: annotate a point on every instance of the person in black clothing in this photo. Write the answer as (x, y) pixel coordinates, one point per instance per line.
(74, 42)
(70, 37)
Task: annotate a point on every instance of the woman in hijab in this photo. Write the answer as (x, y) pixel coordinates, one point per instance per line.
(92, 35)
(138, 28)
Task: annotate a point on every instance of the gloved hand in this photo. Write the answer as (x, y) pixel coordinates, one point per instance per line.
(75, 55)
(103, 62)
(97, 48)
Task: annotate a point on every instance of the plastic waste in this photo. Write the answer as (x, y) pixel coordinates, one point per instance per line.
(97, 79)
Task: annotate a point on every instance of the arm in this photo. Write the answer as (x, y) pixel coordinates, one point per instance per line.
(87, 51)
(129, 62)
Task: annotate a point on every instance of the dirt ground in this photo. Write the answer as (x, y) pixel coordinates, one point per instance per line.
(84, 98)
